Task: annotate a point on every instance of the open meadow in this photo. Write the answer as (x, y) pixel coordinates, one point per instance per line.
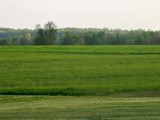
(80, 82)
(79, 70)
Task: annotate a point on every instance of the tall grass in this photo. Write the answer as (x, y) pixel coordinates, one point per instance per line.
(79, 70)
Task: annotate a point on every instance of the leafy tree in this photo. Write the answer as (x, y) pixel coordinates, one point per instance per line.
(69, 39)
(46, 35)
(5, 41)
(49, 35)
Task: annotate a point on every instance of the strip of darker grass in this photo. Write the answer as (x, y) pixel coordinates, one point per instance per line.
(79, 92)
(91, 52)
(52, 92)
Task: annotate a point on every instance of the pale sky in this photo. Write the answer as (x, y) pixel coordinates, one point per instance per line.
(124, 14)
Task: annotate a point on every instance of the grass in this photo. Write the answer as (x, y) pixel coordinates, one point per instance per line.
(86, 107)
(90, 82)
(79, 70)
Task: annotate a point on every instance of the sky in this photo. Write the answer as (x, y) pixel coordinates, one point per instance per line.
(113, 14)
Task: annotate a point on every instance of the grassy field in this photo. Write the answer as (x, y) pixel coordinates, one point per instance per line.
(87, 108)
(79, 70)
(90, 82)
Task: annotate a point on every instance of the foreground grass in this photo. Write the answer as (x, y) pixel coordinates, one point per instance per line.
(47, 107)
(79, 70)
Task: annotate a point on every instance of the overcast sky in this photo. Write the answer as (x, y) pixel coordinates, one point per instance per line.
(124, 14)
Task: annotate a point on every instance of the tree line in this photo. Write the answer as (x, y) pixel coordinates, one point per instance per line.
(49, 34)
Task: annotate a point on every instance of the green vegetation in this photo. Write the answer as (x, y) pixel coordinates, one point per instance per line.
(91, 82)
(91, 108)
(46, 35)
(77, 36)
(79, 70)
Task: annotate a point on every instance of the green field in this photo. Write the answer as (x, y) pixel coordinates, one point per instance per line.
(87, 82)
(79, 70)
(84, 107)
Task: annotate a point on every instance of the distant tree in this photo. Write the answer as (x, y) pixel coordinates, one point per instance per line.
(46, 35)
(49, 35)
(89, 38)
(80, 40)
(69, 39)
(5, 41)
(93, 38)
(26, 39)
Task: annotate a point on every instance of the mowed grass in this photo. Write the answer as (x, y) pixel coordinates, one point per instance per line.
(87, 108)
(79, 70)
